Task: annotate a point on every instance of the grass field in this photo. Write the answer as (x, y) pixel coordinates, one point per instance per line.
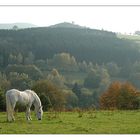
(99, 122)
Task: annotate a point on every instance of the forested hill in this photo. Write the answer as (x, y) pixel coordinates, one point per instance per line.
(70, 64)
(97, 46)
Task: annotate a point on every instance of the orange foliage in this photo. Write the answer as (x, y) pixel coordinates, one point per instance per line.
(120, 96)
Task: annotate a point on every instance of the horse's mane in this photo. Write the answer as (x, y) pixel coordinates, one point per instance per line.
(35, 94)
(30, 91)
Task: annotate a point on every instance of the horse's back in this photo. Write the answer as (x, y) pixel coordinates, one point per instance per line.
(17, 95)
(21, 96)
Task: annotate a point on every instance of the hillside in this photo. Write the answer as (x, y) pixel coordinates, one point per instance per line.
(97, 46)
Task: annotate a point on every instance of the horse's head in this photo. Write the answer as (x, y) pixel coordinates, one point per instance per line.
(39, 113)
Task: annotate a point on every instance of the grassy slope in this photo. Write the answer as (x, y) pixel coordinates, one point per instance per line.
(101, 122)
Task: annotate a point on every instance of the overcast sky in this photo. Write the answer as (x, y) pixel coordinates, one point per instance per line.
(116, 19)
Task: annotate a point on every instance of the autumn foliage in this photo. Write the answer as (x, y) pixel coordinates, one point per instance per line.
(50, 95)
(120, 96)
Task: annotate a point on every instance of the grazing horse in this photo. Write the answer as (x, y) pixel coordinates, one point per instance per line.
(26, 98)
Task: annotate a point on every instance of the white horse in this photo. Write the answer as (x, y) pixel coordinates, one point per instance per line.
(26, 98)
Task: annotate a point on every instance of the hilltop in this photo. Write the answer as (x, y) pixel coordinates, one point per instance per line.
(66, 25)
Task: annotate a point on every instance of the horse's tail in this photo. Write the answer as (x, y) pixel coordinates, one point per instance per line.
(8, 106)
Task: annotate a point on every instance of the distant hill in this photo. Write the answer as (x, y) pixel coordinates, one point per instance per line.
(19, 25)
(66, 25)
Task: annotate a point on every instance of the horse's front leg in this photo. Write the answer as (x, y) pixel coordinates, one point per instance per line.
(28, 117)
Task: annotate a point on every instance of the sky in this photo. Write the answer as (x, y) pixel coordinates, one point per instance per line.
(124, 19)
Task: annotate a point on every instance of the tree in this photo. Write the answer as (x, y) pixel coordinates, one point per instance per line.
(120, 96)
(128, 97)
(84, 95)
(135, 79)
(63, 61)
(31, 70)
(83, 66)
(2, 101)
(12, 59)
(113, 68)
(1, 60)
(57, 79)
(92, 80)
(109, 98)
(90, 66)
(71, 99)
(41, 64)
(15, 27)
(50, 94)
(29, 59)
(4, 82)
(19, 58)
(85, 99)
(76, 89)
(97, 78)
(105, 79)
(20, 81)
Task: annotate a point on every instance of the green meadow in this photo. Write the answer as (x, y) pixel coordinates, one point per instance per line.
(88, 122)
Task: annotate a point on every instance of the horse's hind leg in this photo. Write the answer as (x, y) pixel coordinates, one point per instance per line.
(12, 112)
(9, 110)
(9, 116)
